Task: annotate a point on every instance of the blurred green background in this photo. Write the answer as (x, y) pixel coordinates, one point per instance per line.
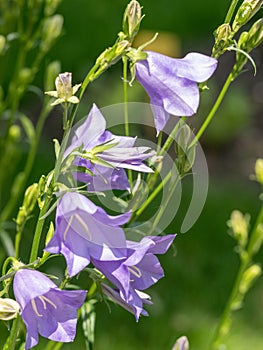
(200, 273)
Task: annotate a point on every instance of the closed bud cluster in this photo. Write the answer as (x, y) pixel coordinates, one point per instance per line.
(259, 171)
(245, 12)
(239, 225)
(9, 309)
(52, 29)
(132, 19)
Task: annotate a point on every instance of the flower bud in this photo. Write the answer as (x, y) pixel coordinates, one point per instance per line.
(223, 39)
(249, 277)
(30, 197)
(132, 19)
(51, 6)
(255, 35)
(245, 12)
(259, 171)
(52, 72)
(239, 225)
(181, 344)
(9, 309)
(2, 44)
(14, 133)
(52, 29)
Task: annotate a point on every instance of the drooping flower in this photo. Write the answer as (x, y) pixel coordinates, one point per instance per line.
(105, 155)
(64, 90)
(84, 231)
(171, 83)
(138, 272)
(46, 309)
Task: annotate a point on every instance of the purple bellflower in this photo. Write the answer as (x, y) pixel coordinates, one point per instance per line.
(46, 309)
(84, 231)
(138, 272)
(171, 83)
(105, 155)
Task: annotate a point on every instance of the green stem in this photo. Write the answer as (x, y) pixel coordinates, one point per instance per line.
(38, 231)
(245, 262)
(11, 341)
(213, 110)
(52, 345)
(125, 95)
(231, 10)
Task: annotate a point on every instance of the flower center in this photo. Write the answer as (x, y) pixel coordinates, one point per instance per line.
(82, 223)
(44, 300)
(135, 271)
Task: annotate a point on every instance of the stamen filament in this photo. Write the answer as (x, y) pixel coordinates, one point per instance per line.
(34, 306)
(135, 271)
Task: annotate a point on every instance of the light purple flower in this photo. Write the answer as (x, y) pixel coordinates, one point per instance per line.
(115, 153)
(46, 310)
(138, 272)
(85, 231)
(171, 83)
(181, 344)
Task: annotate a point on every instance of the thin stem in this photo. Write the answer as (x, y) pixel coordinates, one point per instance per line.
(213, 110)
(11, 341)
(245, 262)
(38, 231)
(52, 345)
(125, 95)
(231, 10)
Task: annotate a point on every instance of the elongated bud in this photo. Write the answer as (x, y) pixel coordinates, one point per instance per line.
(9, 309)
(181, 344)
(255, 35)
(239, 225)
(259, 171)
(245, 12)
(30, 198)
(132, 19)
(52, 29)
(2, 44)
(52, 72)
(249, 277)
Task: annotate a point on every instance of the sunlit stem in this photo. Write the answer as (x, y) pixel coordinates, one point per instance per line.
(213, 110)
(245, 262)
(11, 341)
(231, 11)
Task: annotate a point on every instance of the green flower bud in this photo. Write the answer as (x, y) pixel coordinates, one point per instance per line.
(25, 76)
(223, 39)
(30, 198)
(239, 225)
(14, 133)
(9, 309)
(249, 277)
(259, 171)
(132, 19)
(245, 12)
(52, 29)
(185, 154)
(255, 35)
(2, 44)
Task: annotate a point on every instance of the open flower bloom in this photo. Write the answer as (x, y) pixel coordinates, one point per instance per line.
(85, 231)
(171, 83)
(46, 310)
(138, 272)
(105, 155)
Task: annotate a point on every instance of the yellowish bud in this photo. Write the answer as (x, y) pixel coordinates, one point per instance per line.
(249, 277)
(239, 225)
(259, 170)
(9, 309)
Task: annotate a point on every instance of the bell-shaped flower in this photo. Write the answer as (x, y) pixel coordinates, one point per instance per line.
(104, 155)
(171, 83)
(84, 231)
(46, 309)
(138, 272)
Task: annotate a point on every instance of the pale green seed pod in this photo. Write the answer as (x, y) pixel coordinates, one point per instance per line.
(9, 309)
